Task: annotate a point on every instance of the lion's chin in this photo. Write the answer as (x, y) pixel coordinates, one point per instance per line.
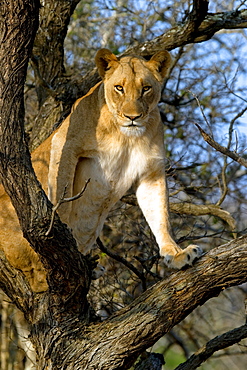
(133, 130)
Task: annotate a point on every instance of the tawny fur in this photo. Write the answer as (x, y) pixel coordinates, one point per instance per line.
(114, 137)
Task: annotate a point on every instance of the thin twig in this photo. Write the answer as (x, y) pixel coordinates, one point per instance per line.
(65, 200)
(236, 157)
(153, 259)
(122, 260)
(224, 187)
(220, 148)
(202, 111)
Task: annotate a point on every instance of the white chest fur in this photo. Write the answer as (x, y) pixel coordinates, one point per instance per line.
(122, 165)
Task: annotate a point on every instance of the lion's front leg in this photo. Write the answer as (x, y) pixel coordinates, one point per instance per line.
(153, 200)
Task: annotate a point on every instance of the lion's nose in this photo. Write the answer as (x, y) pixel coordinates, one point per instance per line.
(133, 118)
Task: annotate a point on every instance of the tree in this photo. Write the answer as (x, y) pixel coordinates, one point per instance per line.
(65, 331)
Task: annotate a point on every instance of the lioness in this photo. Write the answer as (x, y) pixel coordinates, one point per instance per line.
(114, 137)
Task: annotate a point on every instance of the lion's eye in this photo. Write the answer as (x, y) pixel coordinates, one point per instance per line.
(146, 88)
(119, 88)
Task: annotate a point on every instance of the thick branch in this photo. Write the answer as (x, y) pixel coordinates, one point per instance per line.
(153, 314)
(179, 35)
(48, 50)
(48, 64)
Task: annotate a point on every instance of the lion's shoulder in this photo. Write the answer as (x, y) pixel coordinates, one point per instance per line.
(93, 92)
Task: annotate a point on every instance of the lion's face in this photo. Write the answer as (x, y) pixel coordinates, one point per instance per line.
(132, 88)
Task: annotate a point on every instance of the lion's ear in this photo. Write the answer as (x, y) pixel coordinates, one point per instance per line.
(161, 62)
(105, 60)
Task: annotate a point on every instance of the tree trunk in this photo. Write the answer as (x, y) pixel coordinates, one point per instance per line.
(18, 27)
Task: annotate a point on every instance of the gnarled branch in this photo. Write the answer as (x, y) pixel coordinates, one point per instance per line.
(180, 35)
(203, 209)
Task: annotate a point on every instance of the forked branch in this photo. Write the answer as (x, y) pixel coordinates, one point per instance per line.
(65, 200)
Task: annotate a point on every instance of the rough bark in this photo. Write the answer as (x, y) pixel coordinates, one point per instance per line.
(14, 284)
(48, 50)
(156, 311)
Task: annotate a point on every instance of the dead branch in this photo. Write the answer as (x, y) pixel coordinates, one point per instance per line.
(65, 200)
(192, 209)
(220, 342)
(203, 209)
(233, 155)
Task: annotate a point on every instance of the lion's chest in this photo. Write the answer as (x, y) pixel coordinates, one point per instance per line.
(122, 166)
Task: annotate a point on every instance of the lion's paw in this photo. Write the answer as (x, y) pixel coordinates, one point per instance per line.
(185, 257)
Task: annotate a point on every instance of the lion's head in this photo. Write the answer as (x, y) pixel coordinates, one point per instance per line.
(132, 87)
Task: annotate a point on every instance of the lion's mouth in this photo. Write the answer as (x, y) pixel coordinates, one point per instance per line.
(132, 124)
(133, 129)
